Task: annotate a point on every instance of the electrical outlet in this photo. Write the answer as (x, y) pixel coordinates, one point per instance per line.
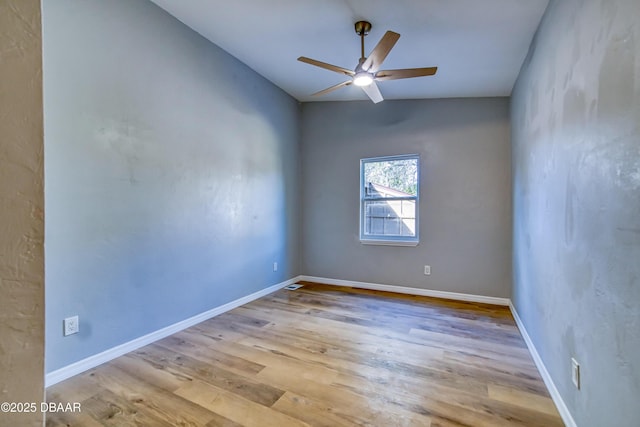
(427, 270)
(71, 325)
(275, 266)
(575, 373)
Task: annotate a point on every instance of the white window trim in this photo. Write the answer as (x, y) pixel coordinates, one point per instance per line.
(376, 242)
(390, 240)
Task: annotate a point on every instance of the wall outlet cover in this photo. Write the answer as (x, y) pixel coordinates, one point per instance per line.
(575, 373)
(71, 325)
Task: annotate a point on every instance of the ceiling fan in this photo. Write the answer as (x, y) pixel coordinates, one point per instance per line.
(368, 72)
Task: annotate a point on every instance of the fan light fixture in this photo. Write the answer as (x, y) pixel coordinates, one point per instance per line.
(362, 79)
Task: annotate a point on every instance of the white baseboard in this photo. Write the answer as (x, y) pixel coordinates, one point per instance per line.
(80, 366)
(553, 390)
(408, 290)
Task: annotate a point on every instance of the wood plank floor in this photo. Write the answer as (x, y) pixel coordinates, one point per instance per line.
(323, 356)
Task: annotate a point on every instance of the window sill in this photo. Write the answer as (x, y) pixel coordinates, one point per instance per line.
(389, 242)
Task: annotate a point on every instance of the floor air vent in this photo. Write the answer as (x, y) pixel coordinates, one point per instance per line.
(293, 287)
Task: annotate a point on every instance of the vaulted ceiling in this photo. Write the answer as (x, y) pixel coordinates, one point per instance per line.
(478, 45)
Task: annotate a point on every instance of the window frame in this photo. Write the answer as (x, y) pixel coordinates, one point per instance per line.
(389, 240)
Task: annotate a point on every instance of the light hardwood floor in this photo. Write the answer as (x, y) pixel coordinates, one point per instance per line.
(323, 356)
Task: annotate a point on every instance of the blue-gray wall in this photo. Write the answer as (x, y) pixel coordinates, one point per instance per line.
(465, 187)
(171, 174)
(576, 173)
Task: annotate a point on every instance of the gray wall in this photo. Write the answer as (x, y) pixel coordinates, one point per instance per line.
(21, 210)
(576, 171)
(171, 175)
(465, 202)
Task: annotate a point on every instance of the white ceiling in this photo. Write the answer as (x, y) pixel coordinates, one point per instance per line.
(478, 45)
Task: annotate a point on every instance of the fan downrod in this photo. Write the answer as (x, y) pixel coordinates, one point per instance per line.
(362, 29)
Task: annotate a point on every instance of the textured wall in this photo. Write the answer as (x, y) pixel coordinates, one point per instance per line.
(171, 175)
(465, 204)
(576, 160)
(21, 210)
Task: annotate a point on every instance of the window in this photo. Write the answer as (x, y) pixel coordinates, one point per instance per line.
(389, 195)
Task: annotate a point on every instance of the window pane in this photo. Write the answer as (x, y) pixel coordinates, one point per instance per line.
(389, 203)
(390, 218)
(391, 178)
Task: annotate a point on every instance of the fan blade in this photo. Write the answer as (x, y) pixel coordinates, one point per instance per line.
(326, 66)
(332, 88)
(373, 92)
(406, 73)
(380, 52)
